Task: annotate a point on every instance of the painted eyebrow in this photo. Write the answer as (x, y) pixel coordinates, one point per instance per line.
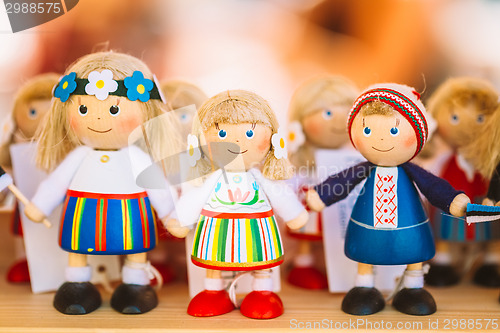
(397, 122)
(253, 125)
(217, 125)
(363, 122)
(79, 100)
(118, 101)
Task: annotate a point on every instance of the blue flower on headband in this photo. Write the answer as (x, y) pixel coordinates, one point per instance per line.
(65, 87)
(138, 87)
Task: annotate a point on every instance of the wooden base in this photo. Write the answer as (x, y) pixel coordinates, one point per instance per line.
(21, 311)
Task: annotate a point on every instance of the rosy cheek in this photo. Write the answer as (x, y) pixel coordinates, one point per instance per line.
(311, 127)
(127, 124)
(358, 143)
(410, 141)
(263, 145)
(73, 123)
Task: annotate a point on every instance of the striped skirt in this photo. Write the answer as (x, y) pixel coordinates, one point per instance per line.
(237, 241)
(94, 223)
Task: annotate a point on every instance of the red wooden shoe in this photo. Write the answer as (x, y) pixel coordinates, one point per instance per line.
(210, 303)
(262, 305)
(18, 272)
(308, 278)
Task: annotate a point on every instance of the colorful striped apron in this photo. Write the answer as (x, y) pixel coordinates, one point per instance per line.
(95, 223)
(237, 241)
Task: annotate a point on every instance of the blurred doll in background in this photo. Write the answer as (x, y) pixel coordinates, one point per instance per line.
(30, 106)
(461, 106)
(179, 95)
(318, 114)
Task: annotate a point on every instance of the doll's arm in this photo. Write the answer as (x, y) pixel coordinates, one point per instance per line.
(494, 187)
(193, 199)
(437, 190)
(52, 191)
(338, 186)
(283, 200)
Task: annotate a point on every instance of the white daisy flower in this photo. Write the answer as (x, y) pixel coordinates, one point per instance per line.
(296, 137)
(279, 144)
(101, 84)
(193, 149)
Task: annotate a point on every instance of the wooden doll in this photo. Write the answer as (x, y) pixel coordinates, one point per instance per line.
(388, 225)
(179, 95)
(31, 103)
(234, 207)
(461, 107)
(101, 99)
(318, 112)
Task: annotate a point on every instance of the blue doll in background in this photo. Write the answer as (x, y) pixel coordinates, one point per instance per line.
(388, 226)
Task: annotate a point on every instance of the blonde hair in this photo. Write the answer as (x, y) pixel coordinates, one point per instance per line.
(484, 150)
(56, 139)
(38, 87)
(378, 108)
(236, 107)
(462, 91)
(181, 93)
(313, 95)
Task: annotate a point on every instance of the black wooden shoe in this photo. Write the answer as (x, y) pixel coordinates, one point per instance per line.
(362, 301)
(77, 298)
(414, 301)
(487, 276)
(441, 276)
(134, 299)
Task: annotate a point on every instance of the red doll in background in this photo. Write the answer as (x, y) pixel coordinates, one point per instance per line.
(30, 106)
(461, 107)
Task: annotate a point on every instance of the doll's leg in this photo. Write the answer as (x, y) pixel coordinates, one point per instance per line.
(213, 300)
(364, 298)
(488, 274)
(77, 295)
(262, 302)
(135, 295)
(303, 273)
(441, 272)
(413, 299)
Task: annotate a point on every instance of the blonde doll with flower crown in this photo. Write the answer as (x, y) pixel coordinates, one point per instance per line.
(318, 112)
(235, 207)
(84, 143)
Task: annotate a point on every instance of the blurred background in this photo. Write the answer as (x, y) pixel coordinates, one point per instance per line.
(268, 46)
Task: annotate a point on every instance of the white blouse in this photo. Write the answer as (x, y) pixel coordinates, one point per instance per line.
(104, 172)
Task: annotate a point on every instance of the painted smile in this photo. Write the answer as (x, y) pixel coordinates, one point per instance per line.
(383, 151)
(233, 152)
(93, 130)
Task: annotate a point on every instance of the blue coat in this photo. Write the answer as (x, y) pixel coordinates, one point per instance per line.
(412, 241)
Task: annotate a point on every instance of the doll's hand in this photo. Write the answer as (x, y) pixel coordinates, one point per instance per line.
(174, 227)
(314, 201)
(34, 213)
(459, 205)
(299, 221)
(488, 202)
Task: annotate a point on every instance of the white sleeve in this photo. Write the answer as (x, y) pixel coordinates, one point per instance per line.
(162, 195)
(281, 196)
(52, 191)
(193, 199)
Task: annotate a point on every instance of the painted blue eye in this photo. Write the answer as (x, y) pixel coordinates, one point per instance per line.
(480, 119)
(394, 131)
(367, 131)
(222, 134)
(454, 119)
(327, 114)
(249, 134)
(32, 113)
(184, 118)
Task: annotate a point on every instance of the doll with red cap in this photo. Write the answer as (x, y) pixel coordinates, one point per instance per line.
(388, 226)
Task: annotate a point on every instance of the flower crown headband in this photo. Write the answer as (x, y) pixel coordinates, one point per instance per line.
(101, 85)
